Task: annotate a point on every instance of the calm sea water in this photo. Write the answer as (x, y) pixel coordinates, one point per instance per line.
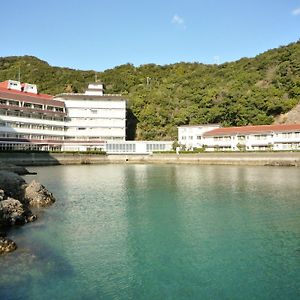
(160, 232)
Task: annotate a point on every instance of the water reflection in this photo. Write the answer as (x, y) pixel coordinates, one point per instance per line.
(160, 232)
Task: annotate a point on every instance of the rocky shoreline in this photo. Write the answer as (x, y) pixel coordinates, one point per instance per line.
(17, 197)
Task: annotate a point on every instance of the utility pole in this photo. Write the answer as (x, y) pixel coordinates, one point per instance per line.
(217, 59)
(19, 75)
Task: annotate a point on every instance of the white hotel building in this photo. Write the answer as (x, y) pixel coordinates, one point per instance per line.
(93, 118)
(68, 122)
(29, 120)
(244, 138)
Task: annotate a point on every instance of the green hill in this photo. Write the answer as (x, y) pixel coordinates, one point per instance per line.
(248, 91)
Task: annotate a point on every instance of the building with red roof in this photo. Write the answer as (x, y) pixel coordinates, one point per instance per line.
(248, 138)
(29, 120)
(77, 122)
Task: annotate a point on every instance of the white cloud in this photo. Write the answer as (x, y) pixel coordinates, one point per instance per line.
(296, 12)
(177, 20)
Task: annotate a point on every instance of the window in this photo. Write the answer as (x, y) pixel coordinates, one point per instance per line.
(260, 136)
(287, 135)
(16, 103)
(37, 106)
(221, 138)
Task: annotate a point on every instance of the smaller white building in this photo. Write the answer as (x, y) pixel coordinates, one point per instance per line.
(254, 138)
(243, 138)
(191, 136)
(137, 147)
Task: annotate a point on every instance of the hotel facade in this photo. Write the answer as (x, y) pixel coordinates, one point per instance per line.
(29, 120)
(93, 118)
(66, 122)
(243, 138)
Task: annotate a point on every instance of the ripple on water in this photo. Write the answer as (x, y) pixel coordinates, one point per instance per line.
(160, 232)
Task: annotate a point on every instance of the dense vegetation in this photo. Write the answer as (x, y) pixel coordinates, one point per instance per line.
(248, 91)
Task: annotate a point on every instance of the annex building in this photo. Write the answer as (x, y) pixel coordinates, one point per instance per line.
(243, 138)
(66, 122)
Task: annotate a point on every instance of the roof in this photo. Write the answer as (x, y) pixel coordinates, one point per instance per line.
(28, 97)
(252, 129)
(4, 84)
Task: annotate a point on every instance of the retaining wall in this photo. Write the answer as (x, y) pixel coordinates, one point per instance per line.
(253, 158)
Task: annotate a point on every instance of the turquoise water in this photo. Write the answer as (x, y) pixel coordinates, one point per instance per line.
(160, 232)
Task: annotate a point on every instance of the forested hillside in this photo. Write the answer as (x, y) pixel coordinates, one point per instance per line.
(248, 91)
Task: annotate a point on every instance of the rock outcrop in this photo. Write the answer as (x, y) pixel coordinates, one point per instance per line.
(13, 212)
(291, 117)
(6, 245)
(16, 198)
(12, 184)
(13, 168)
(35, 194)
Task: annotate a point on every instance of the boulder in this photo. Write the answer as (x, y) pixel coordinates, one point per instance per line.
(12, 212)
(35, 194)
(7, 245)
(12, 184)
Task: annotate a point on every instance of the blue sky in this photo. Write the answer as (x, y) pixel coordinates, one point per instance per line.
(97, 35)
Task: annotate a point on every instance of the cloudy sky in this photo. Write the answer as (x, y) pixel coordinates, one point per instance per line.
(98, 35)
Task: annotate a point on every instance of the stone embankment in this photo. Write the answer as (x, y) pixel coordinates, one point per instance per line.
(16, 200)
(207, 158)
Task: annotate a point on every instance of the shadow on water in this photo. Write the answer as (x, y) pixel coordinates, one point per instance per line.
(30, 266)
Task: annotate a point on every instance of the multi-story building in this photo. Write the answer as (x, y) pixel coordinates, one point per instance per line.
(251, 138)
(29, 120)
(93, 118)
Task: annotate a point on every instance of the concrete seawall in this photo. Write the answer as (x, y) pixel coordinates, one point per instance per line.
(254, 159)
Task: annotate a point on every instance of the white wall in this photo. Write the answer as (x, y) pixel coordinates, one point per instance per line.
(192, 136)
(100, 117)
(138, 147)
